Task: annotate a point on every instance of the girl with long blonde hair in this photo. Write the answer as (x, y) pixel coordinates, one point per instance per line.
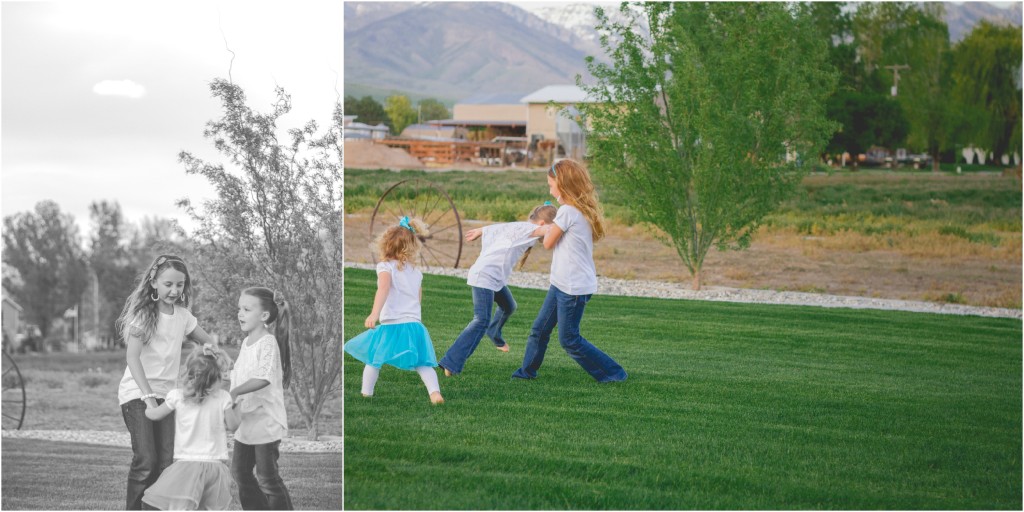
(577, 225)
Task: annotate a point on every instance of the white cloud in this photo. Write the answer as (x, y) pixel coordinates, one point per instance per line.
(126, 88)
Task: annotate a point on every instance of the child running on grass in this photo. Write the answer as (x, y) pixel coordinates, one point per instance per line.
(401, 340)
(258, 380)
(154, 323)
(501, 246)
(573, 276)
(203, 414)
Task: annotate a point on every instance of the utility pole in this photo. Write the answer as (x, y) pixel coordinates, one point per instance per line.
(896, 75)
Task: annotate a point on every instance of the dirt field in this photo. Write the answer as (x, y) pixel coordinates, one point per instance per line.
(788, 261)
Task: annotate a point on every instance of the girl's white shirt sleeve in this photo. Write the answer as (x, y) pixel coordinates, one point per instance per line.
(501, 246)
(160, 356)
(264, 417)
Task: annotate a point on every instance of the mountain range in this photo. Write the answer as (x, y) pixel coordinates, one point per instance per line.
(451, 50)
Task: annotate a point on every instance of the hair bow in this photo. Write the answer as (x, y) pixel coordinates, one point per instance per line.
(405, 224)
(278, 298)
(548, 203)
(553, 164)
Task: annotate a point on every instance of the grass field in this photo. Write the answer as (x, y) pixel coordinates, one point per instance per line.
(42, 475)
(69, 391)
(728, 406)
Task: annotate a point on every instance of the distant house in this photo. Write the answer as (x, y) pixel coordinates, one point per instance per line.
(355, 130)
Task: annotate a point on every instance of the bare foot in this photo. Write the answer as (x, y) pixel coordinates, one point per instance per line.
(447, 372)
(503, 348)
(366, 396)
(436, 398)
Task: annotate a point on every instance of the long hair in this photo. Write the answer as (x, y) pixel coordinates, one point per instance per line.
(140, 314)
(578, 190)
(401, 244)
(545, 212)
(203, 370)
(273, 303)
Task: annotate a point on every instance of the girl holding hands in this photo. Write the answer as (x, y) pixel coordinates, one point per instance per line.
(576, 227)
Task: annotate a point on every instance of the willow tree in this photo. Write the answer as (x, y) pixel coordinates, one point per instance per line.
(706, 116)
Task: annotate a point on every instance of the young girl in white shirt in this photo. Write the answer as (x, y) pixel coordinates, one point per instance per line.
(572, 235)
(154, 323)
(203, 414)
(258, 380)
(502, 245)
(401, 340)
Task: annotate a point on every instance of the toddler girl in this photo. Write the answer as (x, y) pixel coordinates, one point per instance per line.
(502, 245)
(203, 413)
(401, 340)
(261, 374)
(154, 323)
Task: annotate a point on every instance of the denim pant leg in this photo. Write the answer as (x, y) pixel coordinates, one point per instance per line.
(152, 449)
(269, 478)
(243, 460)
(599, 365)
(455, 358)
(540, 334)
(506, 305)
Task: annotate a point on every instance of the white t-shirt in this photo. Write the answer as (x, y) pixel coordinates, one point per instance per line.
(572, 264)
(264, 418)
(160, 357)
(199, 431)
(501, 246)
(403, 302)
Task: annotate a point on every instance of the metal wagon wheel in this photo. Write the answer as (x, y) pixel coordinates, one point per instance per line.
(416, 197)
(13, 406)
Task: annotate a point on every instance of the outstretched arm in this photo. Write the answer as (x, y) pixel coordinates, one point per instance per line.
(552, 236)
(248, 387)
(200, 336)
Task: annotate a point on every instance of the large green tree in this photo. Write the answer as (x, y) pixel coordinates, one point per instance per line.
(400, 111)
(987, 85)
(433, 110)
(367, 110)
(45, 248)
(276, 222)
(111, 262)
(914, 35)
(701, 127)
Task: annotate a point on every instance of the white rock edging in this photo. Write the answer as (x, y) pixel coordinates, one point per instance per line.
(663, 290)
(327, 444)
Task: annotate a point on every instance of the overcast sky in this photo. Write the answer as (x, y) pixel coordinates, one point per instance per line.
(98, 97)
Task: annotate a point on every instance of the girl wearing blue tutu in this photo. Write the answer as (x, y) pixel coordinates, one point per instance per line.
(502, 244)
(203, 414)
(401, 340)
(576, 227)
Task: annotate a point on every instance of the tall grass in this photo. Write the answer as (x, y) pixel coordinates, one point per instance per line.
(728, 406)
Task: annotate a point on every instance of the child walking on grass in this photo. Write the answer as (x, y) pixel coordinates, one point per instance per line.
(154, 323)
(401, 340)
(501, 246)
(261, 374)
(203, 414)
(576, 227)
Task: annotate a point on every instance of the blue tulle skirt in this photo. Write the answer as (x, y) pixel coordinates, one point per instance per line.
(405, 346)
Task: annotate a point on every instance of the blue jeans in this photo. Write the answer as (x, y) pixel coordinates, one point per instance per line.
(483, 323)
(265, 490)
(152, 449)
(566, 311)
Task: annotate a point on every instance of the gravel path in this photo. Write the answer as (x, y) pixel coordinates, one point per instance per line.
(121, 439)
(663, 290)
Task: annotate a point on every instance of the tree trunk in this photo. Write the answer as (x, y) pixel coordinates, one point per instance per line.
(314, 432)
(696, 280)
(935, 162)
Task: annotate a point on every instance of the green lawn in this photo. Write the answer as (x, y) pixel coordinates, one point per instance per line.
(728, 406)
(43, 475)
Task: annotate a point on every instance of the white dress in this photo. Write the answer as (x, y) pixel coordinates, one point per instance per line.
(264, 419)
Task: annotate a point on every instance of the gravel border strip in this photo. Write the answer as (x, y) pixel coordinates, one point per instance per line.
(663, 290)
(328, 444)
